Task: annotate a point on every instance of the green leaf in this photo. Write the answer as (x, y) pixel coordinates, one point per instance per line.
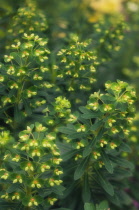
(13, 187)
(105, 184)
(6, 205)
(124, 147)
(122, 162)
(58, 189)
(89, 147)
(115, 199)
(67, 130)
(107, 98)
(25, 200)
(103, 206)
(124, 197)
(45, 192)
(17, 57)
(121, 173)
(108, 164)
(88, 114)
(81, 168)
(64, 147)
(86, 194)
(66, 156)
(17, 115)
(96, 125)
(70, 189)
(77, 135)
(121, 106)
(27, 107)
(89, 206)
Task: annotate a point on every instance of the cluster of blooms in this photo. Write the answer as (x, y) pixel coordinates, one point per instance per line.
(62, 106)
(109, 38)
(77, 65)
(27, 20)
(113, 112)
(133, 135)
(36, 153)
(24, 72)
(5, 137)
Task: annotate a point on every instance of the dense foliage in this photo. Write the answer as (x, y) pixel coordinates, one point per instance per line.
(69, 121)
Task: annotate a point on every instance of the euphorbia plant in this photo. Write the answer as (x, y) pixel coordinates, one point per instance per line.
(43, 124)
(30, 170)
(97, 140)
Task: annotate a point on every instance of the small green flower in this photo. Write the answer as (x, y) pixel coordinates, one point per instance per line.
(18, 178)
(51, 200)
(33, 202)
(16, 196)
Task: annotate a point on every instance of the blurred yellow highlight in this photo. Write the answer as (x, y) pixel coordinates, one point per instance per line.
(107, 6)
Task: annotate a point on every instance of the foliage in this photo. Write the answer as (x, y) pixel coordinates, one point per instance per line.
(68, 130)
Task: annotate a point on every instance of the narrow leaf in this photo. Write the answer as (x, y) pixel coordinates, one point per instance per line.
(122, 162)
(89, 147)
(105, 184)
(81, 168)
(96, 125)
(86, 194)
(107, 162)
(66, 156)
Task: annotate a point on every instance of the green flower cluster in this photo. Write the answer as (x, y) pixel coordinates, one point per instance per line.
(113, 112)
(24, 74)
(99, 136)
(77, 65)
(34, 167)
(29, 19)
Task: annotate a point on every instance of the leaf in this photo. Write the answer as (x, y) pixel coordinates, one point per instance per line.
(45, 192)
(115, 199)
(121, 106)
(122, 162)
(64, 147)
(46, 158)
(17, 57)
(58, 190)
(25, 200)
(88, 114)
(89, 206)
(5, 205)
(89, 147)
(77, 135)
(103, 206)
(70, 189)
(105, 184)
(81, 168)
(96, 125)
(13, 188)
(108, 164)
(27, 107)
(67, 130)
(107, 98)
(86, 194)
(124, 147)
(66, 156)
(17, 115)
(125, 198)
(121, 173)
